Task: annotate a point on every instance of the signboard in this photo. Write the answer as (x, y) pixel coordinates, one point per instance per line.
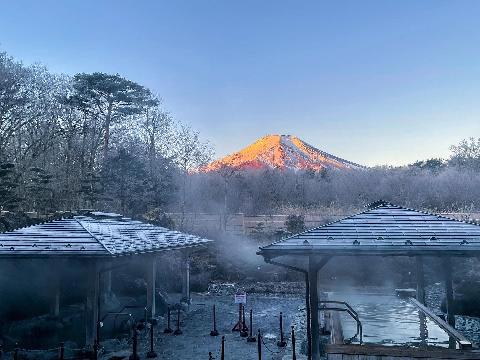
(240, 298)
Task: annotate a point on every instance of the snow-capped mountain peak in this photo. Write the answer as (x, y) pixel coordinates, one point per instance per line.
(282, 152)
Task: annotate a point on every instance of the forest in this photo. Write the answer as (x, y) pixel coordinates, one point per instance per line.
(101, 141)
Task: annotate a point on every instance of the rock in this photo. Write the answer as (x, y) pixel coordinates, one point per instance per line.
(218, 288)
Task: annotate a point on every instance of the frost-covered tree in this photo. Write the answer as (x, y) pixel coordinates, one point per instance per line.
(9, 199)
(65, 127)
(466, 154)
(109, 99)
(189, 153)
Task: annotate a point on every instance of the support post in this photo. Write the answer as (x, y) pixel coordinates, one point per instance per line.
(420, 280)
(151, 287)
(311, 264)
(449, 291)
(308, 311)
(186, 279)
(314, 265)
(314, 327)
(107, 283)
(55, 310)
(55, 289)
(56, 305)
(92, 315)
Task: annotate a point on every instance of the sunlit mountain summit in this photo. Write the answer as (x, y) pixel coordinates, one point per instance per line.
(281, 152)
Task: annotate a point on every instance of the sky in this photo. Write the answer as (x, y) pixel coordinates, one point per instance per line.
(374, 82)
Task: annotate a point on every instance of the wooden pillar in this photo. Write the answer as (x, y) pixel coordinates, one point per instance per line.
(420, 276)
(92, 315)
(420, 280)
(56, 301)
(314, 323)
(108, 282)
(423, 327)
(447, 266)
(55, 291)
(151, 286)
(54, 286)
(186, 279)
(308, 310)
(106, 285)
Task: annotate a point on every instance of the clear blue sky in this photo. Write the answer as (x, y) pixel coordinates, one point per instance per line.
(374, 82)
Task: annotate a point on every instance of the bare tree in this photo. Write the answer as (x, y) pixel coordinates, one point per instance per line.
(227, 173)
(190, 153)
(16, 101)
(466, 153)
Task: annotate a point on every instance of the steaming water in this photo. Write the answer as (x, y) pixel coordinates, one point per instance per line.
(389, 320)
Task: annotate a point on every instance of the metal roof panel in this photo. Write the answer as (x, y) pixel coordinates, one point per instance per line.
(97, 235)
(387, 228)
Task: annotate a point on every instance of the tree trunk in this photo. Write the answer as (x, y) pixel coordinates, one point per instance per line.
(106, 137)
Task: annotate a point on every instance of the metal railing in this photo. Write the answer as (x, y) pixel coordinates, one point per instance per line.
(349, 310)
(462, 341)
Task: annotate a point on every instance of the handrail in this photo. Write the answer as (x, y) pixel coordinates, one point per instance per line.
(451, 331)
(347, 305)
(339, 302)
(350, 312)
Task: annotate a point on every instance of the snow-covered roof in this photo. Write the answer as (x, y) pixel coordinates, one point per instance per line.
(384, 229)
(93, 235)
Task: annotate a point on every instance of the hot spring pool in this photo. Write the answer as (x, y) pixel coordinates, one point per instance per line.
(389, 320)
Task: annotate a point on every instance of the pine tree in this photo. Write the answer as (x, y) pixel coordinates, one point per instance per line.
(40, 190)
(91, 189)
(8, 184)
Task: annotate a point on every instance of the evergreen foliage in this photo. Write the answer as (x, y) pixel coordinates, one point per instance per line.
(8, 184)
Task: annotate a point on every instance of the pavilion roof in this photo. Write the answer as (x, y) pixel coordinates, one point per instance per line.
(384, 229)
(94, 235)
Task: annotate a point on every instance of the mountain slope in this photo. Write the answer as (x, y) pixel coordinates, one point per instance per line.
(282, 152)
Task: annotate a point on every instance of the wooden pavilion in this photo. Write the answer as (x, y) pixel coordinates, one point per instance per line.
(102, 242)
(383, 229)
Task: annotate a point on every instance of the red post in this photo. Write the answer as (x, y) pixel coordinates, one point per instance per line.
(251, 338)
(222, 354)
(168, 329)
(151, 354)
(259, 345)
(177, 330)
(214, 332)
(244, 330)
(294, 355)
(282, 342)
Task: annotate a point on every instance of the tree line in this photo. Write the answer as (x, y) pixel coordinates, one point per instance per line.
(89, 141)
(439, 185)
(101, 141)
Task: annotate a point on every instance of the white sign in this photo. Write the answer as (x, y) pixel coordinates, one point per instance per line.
(240, 298)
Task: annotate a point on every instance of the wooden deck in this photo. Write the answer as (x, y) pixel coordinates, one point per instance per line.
(377, 352)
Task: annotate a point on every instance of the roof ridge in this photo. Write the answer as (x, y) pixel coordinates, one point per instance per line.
(92, 235)
(380, 204)
(437, 215)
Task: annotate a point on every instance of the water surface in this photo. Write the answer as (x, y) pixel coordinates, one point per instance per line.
(389, 320)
